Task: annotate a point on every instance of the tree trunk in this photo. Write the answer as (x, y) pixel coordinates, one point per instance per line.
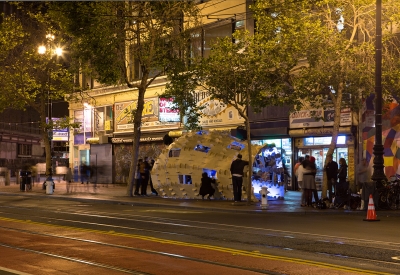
(249, 183)
(248, 136)
(137, 122)
(335, 133)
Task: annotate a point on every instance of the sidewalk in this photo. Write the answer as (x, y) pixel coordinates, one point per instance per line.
(113, 193)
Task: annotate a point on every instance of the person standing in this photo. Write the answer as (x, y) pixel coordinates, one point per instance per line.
(331, 169)
(153, 191)
(68, 179)
(301, 170)
(309, 180)
(296, 186)
(237, 167)
(342, 172)
(84, 171)
(363, 172)
(343, 185)
(144, 175)
(138, 178)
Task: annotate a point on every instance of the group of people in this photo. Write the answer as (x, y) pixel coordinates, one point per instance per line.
(305, 171)
(143, 178)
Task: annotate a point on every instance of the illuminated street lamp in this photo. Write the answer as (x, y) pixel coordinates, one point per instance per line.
(50, 51)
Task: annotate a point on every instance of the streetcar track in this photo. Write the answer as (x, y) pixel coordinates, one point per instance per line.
(239, 229)
(74, 259)
(252, 230)
(244, 253)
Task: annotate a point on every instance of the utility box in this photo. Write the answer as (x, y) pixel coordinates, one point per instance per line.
(49, 186)
(264, 197)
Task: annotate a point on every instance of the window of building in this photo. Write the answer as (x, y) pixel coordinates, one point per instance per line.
(103, 120)
(174, 153)
(212, 34)
(24, 150)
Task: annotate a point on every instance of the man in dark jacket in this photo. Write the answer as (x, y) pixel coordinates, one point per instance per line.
(331, 169)
(144, 169)
(237, 167)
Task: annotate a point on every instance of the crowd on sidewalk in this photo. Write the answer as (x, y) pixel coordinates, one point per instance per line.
(338, 189)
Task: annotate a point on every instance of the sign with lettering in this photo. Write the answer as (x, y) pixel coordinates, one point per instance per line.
(216, 113)
(130, 140)
(166, 112)
(150, 120)
(318, 118)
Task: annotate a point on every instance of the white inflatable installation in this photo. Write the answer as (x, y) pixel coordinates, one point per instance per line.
(178, 170)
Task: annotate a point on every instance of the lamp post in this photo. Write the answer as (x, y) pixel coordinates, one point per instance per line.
(49, 52)
(379, 175)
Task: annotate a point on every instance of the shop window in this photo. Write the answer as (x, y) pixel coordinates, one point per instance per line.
(24, 150)
(174, 153)
(212, 34)
(185, 179)
(210, 172)
(202, 148)
(236, 146)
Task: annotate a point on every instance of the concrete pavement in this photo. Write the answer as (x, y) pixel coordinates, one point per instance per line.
(114, 193)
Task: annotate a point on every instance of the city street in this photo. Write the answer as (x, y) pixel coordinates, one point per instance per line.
(86, 233)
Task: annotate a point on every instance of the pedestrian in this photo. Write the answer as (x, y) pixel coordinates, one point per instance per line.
(342, 185)
(300, 174)
(285, 176)
(84, 171)
(331, 169)
(68, 179)
(309, 180)
(364, 174)
(138, 178)
(144, 175)
(342, 172)
(153, 191)
(296, 186)
(237, 167)
(206, 186)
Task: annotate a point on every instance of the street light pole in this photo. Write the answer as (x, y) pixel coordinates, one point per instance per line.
(379, 175)
(58, 52)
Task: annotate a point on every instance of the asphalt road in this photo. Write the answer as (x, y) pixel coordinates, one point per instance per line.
(58, 236)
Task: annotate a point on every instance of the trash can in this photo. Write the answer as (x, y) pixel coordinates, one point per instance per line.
(24, 181)
(49, 186)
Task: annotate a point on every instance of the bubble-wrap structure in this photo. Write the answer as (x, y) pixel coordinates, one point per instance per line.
(177, 171)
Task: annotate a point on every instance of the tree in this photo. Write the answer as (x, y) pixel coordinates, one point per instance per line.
(126, 42)
(28, 78)
(235, 75)
(336, 41)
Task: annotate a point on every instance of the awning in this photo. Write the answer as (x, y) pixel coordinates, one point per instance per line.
(318, 131)
(268, 132)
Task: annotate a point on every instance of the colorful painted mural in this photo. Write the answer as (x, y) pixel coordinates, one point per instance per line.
(390, 134)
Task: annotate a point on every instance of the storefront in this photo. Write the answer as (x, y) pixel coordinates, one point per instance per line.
(318, 146)
(312, 130)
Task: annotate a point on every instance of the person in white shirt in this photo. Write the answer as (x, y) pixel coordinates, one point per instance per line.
(299, 173)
